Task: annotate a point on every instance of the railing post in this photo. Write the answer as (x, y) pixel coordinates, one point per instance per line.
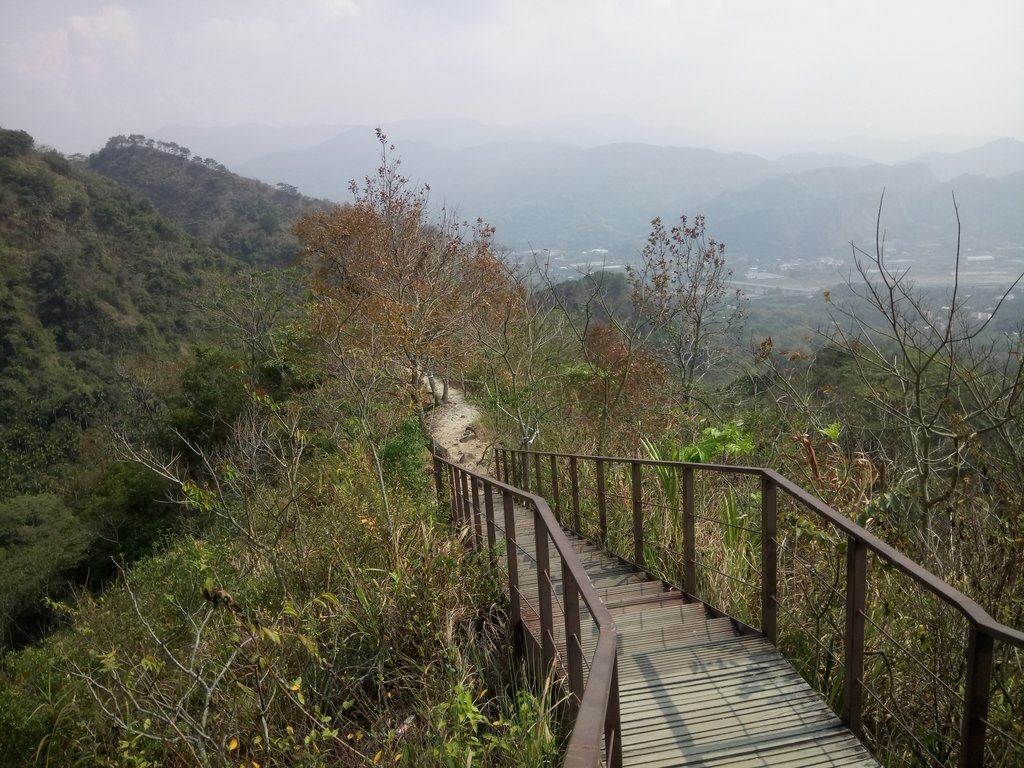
(438, 479)
(554, 488)
(638, 512)
(574, 478)
(492, 538)
(544, 587)
(689, 535)
(456, 496)
(508, 507)
(602, 509)
(539, 490)
(853, 657)
(573, 644)
(467, 514)
(976, 697)
(613, 722)
(478, 531)
(449, 479)
(769, 559)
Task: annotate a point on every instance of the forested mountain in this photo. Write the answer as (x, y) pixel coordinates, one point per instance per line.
(242, 217)
(996, 158)
(538, 194)
(98, 291)
(557, 195)
(266, 536)
(580, 200)
(91, 272)
(818, 212)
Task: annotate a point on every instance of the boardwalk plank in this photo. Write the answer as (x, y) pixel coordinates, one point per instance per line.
(693, 690)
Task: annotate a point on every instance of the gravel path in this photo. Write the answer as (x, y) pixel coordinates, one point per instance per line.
(451, 426)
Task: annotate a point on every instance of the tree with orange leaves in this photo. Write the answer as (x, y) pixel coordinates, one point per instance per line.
(390, 272)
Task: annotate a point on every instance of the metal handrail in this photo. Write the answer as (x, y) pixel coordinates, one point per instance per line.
(983, 630)
(596, 702)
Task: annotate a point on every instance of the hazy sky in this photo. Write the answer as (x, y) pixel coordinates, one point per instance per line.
(744, 73)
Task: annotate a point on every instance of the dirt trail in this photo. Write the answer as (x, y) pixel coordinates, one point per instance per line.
(451, 426)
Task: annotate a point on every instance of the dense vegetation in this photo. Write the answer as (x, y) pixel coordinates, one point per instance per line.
(93, 280)
(241, 217)
(903, 412)
(311, 606)
(304, 603)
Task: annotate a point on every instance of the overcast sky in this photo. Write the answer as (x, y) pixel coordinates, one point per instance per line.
(744, 73)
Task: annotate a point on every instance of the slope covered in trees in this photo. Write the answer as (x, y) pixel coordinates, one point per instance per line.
(242, 217)
(93, 278)
(311, 606)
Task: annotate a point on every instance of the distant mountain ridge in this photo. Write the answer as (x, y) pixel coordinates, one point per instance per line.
(996, 159)
(561, 196)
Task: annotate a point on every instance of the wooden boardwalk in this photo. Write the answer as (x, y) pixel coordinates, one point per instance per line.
(693, 689)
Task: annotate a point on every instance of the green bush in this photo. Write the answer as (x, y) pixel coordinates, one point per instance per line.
(403, 456)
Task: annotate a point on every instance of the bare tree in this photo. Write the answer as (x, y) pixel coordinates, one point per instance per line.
(681, 290)
(523, 345)
(949, 383)
(414, 279)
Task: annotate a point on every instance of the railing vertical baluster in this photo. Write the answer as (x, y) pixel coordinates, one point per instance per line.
(613, 722)
(453, 499)
(980, 648)
(769, 559)
(467, 513)
(508, 507)
(438, 477)
(574, 478)
(602, 508)
(689, 535)
(853, 657)
(539, 490)
(573, 644)
(456, 497)
(492, 538)
(544, 587)
(478, 531)
(638, 513)
(554, 488)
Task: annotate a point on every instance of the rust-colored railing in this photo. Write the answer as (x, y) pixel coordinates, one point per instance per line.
(476, 501)
(970, 685)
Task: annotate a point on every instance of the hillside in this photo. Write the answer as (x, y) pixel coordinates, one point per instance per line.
(96, 291)
(90, 273)
(308, 564)
(242, 217)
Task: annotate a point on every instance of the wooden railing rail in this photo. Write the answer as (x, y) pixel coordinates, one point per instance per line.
(513, 466)
(595, 739)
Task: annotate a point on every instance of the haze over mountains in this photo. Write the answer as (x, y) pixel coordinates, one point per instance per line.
(566, 188)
